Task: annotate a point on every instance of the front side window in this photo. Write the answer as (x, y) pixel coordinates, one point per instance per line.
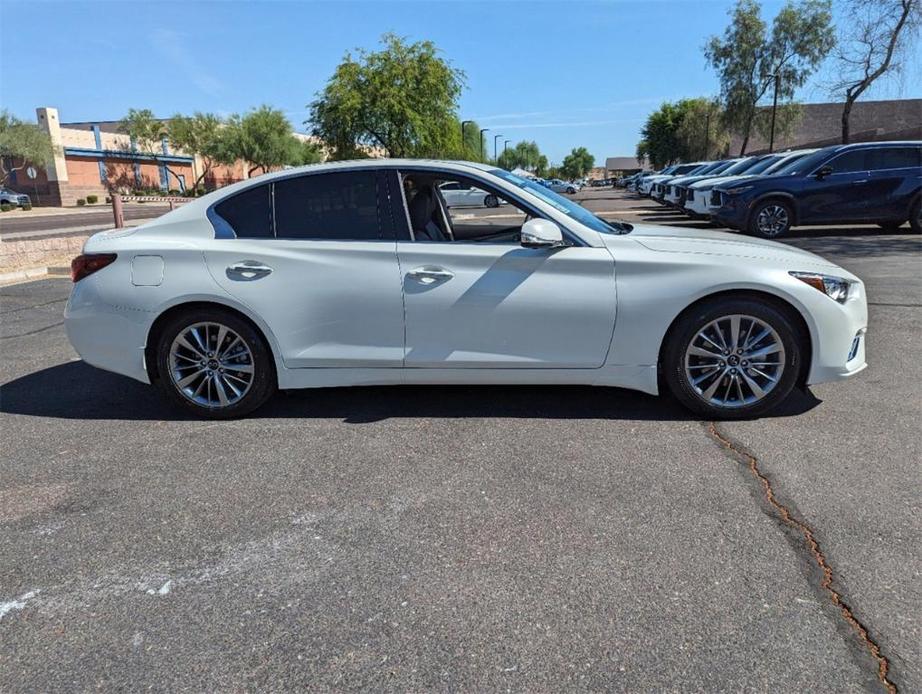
(336, 206)
(850, 162)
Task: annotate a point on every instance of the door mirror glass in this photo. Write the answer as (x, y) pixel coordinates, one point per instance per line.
(541, 233)
(823, 172)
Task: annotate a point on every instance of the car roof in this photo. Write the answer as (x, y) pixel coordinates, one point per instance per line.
(859, 145)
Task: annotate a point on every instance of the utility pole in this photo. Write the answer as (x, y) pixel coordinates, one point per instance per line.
(463, 123)
(482, 131)
(707, 131)
(495, 145)
(771, 137)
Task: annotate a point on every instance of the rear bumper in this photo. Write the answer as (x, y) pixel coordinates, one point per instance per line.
(107, 336)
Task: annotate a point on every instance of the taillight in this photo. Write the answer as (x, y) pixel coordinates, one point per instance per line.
(85, 265)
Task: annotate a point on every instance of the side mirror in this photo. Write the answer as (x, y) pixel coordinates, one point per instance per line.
(541, 233)
(823, 172)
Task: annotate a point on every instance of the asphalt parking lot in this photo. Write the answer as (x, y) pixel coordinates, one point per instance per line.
(465, 538)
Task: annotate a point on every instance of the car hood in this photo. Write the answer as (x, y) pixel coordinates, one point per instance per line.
(685, 180)
(703, 241)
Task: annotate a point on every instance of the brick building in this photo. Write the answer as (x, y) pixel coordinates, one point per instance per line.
(94, 158)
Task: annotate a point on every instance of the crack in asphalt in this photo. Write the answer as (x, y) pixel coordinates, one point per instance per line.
(32, 332)
(884, 303)
(26, 308)
(736, 452)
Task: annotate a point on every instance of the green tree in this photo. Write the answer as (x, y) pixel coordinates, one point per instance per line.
(750, 62)
(146, 133)
(525, 155)
(22, 144)
(402, 99)
(659, 137)
(879, 35)
(201, 134)
(262, 138)
(700, 134)
(577, 163)
(787, 118)
(306, 152)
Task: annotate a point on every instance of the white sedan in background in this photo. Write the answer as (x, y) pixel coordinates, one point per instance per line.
(458, 194)
(355, 273)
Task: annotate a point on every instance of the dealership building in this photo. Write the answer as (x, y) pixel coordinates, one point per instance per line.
(94, 158)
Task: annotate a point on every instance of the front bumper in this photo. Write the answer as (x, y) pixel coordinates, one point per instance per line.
(839, 337)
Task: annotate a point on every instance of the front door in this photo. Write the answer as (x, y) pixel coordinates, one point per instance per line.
(478, 299)
(321, 271)
(839, 195)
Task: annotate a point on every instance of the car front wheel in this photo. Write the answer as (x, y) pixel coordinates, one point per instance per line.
(214, 364)
(491, 201)
(732, 358)
(771, 219)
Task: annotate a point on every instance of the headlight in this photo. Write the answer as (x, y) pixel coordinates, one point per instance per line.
(834, 287)
(738, 190)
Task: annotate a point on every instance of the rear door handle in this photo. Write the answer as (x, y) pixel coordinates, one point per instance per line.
(248, 270)
(855, 183)
(429, 274)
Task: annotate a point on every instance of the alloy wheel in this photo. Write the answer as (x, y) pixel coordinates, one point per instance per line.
(773, 220)
(734, 361)
(211, 365)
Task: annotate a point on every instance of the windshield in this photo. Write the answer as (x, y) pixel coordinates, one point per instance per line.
(763, 164)
(562, 204)
(739, 166)
(784, 161)
(804, 164)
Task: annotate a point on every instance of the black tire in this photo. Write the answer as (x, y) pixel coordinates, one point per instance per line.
(777, 222)
(890, 227)
(491, 201)
(688, 327)
(264, 381)
(571, 191)
(915, 217)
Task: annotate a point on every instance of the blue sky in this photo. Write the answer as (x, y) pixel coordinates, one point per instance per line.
(563, 73)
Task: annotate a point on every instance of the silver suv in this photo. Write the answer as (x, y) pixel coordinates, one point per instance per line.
(11, 197)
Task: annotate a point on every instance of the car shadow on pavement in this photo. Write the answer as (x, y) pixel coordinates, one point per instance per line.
(75, 390)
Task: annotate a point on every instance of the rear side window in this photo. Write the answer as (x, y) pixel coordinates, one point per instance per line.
(248, 214)
(895, 158)
(335, 206)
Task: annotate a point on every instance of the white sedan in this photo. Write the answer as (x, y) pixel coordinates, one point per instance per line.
(355, 273)
(458, 194)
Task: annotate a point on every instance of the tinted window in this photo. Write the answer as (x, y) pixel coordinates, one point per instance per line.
(336, 206)
(850, 161)
(248, 214)
(895, 158)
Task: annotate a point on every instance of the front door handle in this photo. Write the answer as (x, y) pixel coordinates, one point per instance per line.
(855, 183)
(248, 270)
(429, 274)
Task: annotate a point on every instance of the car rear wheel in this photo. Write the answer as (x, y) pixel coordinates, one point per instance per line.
(214, 364)
(732, 358)
(915, 218)
(771, 219)
(491, 201)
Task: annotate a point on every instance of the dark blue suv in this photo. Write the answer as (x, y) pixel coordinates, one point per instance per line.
(865, 183)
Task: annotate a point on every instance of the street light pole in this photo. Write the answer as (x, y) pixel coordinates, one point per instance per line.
(771, 137)
(495, 145)
(482, 131)
(506, 145)
(707, 131)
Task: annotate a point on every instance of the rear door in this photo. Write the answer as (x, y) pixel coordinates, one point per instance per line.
(895, 176)
(315, 258)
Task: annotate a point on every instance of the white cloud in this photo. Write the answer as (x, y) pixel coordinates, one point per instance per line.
(173, 46)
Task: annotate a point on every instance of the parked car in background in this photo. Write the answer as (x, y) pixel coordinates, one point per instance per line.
(457, 194)
(283, 281)
(658, 192)
(11, 197)
(698, 195)
(674, 186)
(559, 186)
(863, 183)
(648, 182)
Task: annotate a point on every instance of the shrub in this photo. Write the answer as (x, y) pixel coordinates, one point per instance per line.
(92, 199)
(173, 192)
(5, 207)
(27, 207)
(108, 200)
(81, 202)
